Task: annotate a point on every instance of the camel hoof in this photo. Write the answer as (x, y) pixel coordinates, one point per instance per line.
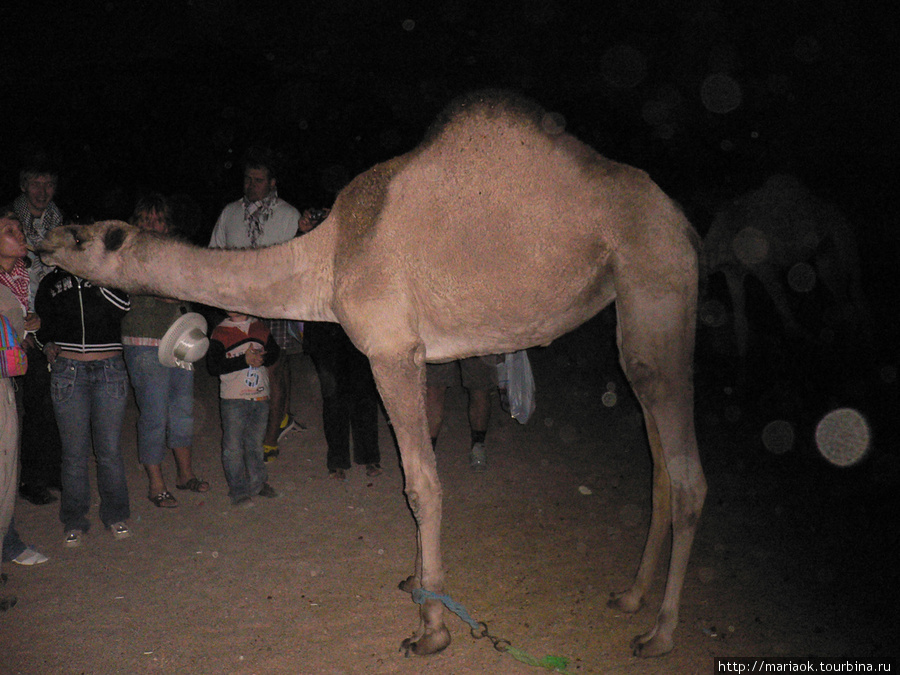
(625, 601)
(432, 643)
(409, 584)
(651, 644)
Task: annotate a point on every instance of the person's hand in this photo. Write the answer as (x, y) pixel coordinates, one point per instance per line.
(51, 351)
(32, 322)
(310, 218)
(254, 357)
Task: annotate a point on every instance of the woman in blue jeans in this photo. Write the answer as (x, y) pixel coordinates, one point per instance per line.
(164, 396)
(80, 334)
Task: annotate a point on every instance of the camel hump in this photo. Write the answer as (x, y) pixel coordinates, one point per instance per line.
(492, 104)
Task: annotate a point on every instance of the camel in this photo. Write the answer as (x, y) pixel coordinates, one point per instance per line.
(497, 233)
(785, 237)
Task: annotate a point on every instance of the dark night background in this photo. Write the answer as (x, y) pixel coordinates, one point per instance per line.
(134, 95)
(709, 96)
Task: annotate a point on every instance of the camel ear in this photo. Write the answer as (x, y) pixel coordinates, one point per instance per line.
(114, 238)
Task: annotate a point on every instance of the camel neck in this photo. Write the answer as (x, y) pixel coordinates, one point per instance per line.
(292, 280)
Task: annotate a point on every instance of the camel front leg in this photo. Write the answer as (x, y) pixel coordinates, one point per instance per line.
(401, 382)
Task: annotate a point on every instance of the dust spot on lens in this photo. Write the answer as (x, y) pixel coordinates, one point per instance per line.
(802, 277)
(751, 246)
(721, 93)
(778, 437)
(843, 437)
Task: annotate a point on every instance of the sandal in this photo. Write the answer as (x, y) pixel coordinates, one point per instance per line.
(373, 469)
(337, 474)
(163, 500)
(194, 485)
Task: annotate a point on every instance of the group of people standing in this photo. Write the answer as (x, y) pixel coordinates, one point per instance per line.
(85, 344)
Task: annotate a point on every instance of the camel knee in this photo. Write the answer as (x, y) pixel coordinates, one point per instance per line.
(687, 504)
(645, 379)
(424, 500)
(655, 381)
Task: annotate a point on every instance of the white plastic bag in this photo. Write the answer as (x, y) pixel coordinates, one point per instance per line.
(515, 371)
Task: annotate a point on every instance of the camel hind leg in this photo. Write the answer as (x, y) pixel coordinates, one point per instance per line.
(656, 338)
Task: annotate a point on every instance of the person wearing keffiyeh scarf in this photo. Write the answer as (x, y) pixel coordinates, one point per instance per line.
(262, 218)
(256, 213)
(36, 228)
(41, 448)
(16, 280)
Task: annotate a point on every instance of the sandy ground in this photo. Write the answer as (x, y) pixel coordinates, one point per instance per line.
(792, 559)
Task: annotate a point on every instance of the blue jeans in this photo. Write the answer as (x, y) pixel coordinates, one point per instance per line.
(243, 430)
(89, 399)
(165, 400)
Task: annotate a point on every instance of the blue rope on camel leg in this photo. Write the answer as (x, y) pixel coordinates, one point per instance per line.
(555, 663)
(420, 595)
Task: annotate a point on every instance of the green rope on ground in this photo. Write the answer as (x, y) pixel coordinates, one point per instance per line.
(556, 664)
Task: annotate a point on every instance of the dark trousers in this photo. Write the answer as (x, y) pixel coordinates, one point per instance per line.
(349, 396)
(41, 453)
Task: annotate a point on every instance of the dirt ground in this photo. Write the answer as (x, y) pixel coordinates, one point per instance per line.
(793, 558)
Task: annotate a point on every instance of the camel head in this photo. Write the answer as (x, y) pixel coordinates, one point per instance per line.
(95, 252)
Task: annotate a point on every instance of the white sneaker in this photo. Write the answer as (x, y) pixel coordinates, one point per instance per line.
(30, 557)
(120, 530)
(288, 425)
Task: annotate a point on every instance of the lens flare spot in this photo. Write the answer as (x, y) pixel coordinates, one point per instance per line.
(778, 437)
(751, 246)
(802, 277)
(713, 314)
(843, 436)
(721, 93)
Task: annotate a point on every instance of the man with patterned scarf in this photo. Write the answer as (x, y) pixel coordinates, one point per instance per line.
(41, 453)
(261, 218)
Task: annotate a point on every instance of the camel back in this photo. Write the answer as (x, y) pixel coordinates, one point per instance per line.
(499, 220)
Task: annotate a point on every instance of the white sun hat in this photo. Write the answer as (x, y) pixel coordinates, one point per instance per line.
(185, 342)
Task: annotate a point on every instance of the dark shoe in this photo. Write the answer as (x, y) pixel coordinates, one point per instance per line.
(163, 500)
(195, 485)
(36, 495)
(7, 602)
(267, 491)
(120, 530)
(73, 538)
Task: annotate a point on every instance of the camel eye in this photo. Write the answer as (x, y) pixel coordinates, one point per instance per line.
(75, 235)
